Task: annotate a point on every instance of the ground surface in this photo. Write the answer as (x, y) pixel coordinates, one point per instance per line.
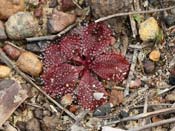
(145, 97)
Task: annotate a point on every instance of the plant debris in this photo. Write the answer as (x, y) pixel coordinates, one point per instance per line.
(11, 96)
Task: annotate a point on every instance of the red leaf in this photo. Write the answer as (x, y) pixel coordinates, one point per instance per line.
(52, 56)
(85, 46)
(95, 39)
(61, 79)
(71, 47)
(86, 89)
(111, 67)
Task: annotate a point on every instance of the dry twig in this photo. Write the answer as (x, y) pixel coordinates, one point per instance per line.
(10, 43)
(144, 115)
(166, 90)
(171, 120)
(131, 72)
(51, 37)
(152, 105)
(132, 13)
(135, 55)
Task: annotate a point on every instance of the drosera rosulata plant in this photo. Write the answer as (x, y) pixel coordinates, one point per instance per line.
(79, 62)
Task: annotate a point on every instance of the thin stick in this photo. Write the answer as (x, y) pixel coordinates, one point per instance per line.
(135, 55)
(171, 120)
(51, 37)
(7, 61)
(10, 43)
(145, 104)
(131, 72)
(140, 116)
(166, 90)
(145, 109)
(139, 47)
(76, 4)
(151, 105)
(33, 105)
(132, 13)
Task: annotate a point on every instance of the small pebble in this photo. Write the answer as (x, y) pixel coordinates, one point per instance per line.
(169, 20)
(38, 12)
(59, 21)
(39, 81)
(172, 79)
(149, 29)
(154, 55)
(46, 113)
(116, 97)
(170, 97)
(66, 100)
(98, 95)
(51, 122)
(149, 66)
(10, 7)
(11, 51)
(37, 47)
(67, 5)
(25, 26)
(38, 113)
(102, 110)
(33, 125)
(135, 83)
(124, 114)
(155, 119)
(29, 63)
(4, 71)
(21, 125)
(73, 108)
(53, 3)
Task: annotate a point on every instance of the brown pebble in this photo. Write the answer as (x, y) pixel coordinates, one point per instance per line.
(33, 125)
(149, 66)
(116, 97)
(40, 22)
(21, 125)
(170, 97)
(38, 12)
(67, 5)
(4, 71)
(11, 51)
(155, 119)
(53, 3)
(154, 55)
(46, 113)
(10, 7)
(66, 99)
(29, 63)
(38, 113)
(73, 108)
(51, 122)
(135, 83)
(59, 21)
